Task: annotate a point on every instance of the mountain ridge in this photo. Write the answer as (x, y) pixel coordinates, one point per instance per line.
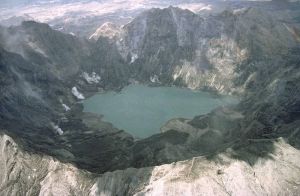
(37, 91)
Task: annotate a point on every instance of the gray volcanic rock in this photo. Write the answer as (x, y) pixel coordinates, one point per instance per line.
(66, 56)
(108, 63)
(221, 175)
(26, 173)
(35, 100)
(38, 76)
(38, 43)
(181, 47)
(107, 29)
(48, 143)
(35, 174)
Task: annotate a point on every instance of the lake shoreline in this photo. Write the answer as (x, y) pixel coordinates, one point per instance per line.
(141, 109)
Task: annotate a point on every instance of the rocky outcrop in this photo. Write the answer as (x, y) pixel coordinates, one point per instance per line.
(183, 48)
(35, 174)
(252, 148)
(67, 57)
(62, 54)
(220, 175)
(107, 29)
(50, 120)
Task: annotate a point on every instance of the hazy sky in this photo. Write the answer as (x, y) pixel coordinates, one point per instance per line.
(31, 2)
(71, 11)
(45, 11)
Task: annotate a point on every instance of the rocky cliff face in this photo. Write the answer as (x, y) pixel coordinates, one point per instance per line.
(38, 43)
(181, 47)
(49, 146)
(42, 110)
(64, 55)
(35, 174)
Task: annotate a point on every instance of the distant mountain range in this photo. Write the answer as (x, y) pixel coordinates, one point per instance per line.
(82, 18)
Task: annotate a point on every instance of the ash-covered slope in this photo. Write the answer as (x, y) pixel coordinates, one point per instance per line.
(43, 75)
(38, 43)
(252, 148)
(180, 47)
(64, 55)
(35, 174)
(39, 108)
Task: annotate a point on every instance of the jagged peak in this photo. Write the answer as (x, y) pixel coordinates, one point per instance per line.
(107, 29)
(32, 24)
(169, 9)
(159, 13)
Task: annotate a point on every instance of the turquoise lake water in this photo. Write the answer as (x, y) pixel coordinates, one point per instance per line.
(141, 110)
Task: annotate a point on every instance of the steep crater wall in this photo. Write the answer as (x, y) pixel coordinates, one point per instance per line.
(231, 52)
